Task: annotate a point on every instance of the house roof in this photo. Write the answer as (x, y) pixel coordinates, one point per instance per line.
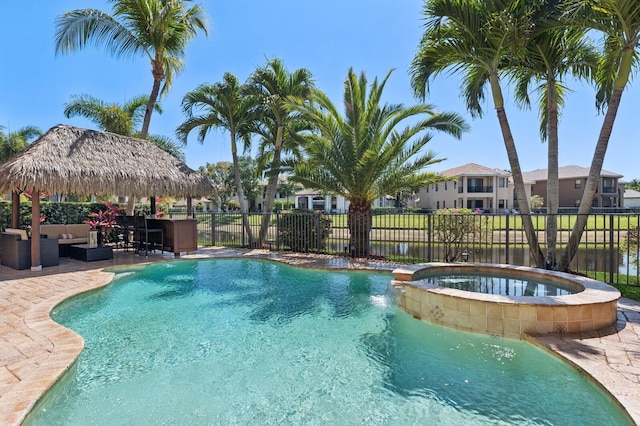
(631, 193)
(72, 160)
(473, 169)
(565, 172)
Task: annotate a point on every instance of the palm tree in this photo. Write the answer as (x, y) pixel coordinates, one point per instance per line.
(14, 142)
(120, 119)
(549, 57)
(273, 86)
(619, 22)
(157, 29)
(478, 38)
(223, 106)
(287, 188)
(365, 153)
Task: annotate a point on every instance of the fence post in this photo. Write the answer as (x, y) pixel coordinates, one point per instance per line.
(506, 259)
(429, 235)
(277, 230)
(245, 217)
(611, 257)
(319, 233)
(213, 229)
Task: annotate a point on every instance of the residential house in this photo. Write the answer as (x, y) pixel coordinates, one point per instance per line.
(199, 204)
(309, 199)
(572, 180)
(632, 199)
(473, 186)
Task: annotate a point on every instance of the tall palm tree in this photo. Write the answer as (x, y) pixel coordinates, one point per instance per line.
(273, 86)
(366, 153)
(479, 39)
(157, 29)
(120, 119)
(14, 142)
(619, 22)
(224, 106)
(550, 56)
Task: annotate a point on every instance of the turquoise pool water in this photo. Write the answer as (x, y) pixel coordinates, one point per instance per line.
(254, 342)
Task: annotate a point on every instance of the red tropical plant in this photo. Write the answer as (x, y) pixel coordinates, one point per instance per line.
(104, 220)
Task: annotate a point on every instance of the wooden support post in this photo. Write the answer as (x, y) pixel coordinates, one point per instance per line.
(15, 209)
(36, 264)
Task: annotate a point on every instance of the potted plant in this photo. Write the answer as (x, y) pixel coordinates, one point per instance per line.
(103, 222)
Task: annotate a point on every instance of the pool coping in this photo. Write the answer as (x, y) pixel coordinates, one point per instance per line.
(35, 351)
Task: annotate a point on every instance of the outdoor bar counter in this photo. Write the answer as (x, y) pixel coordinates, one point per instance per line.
(178, 235)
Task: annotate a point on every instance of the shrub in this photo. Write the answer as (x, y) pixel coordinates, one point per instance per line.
(304, 232)
(54, 213)
(282, 205)
(454, 228)
(630, 245)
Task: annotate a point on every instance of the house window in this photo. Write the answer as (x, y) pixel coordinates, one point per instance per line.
(455, 204)
(444, 204)
(608, 186)
(437, 204)
(502, 182)
(318, 203)
(578, 184)
(428, 188)
(445, 186)
(334, 203)
(436, 187)
(501, 204)
(455, 184)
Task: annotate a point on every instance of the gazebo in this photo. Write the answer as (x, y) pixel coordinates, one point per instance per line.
(72, 160)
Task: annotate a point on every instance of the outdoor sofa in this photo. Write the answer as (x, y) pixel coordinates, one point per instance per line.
(67, 235)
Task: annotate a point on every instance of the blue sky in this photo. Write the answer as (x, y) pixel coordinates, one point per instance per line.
(326, 37)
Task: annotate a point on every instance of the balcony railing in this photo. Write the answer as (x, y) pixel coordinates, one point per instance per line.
(609, 190)
(480, 188)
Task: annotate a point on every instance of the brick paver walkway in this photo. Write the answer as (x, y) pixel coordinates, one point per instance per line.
(35, 351)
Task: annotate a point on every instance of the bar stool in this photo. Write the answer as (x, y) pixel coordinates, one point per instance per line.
(142, 230)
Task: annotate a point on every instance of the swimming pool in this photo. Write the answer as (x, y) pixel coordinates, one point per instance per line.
(256, 342)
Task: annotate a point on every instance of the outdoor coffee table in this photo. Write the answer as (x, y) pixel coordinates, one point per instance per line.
(88, 254)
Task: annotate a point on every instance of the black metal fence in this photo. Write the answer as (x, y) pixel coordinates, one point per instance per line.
(414, 238)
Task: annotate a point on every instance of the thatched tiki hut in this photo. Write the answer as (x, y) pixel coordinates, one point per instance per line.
(71, 160)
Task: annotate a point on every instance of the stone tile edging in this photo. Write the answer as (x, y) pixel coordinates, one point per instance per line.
(54, 348)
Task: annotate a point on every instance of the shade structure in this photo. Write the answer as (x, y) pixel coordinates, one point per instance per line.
(72, 160)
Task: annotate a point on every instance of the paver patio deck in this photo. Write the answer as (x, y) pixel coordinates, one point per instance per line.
(35, 351)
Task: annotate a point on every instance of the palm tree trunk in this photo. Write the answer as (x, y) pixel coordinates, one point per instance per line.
(552, 178)
(516, 173)
(144, 132)
(272, 186)
(592, 180)
(158, 76)
(236, 175)
(359, 223)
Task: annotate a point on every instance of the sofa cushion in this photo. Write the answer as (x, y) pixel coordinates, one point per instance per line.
(53, 231)
(79, 230)
(78, 240)
(21, 232)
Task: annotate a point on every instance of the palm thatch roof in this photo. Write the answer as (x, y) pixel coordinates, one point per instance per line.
(72, 160)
